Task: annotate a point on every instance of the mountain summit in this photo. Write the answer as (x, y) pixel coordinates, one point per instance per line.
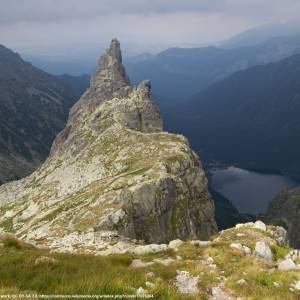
(110, 80)
(112, 174)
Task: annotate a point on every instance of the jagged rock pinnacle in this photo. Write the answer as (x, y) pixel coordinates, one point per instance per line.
(112, 170)
(110, 79)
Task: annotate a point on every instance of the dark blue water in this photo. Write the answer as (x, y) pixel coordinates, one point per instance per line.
(249, 191)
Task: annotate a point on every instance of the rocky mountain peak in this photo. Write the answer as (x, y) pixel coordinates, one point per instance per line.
(112, 172)
(110, 80)
(5, 53)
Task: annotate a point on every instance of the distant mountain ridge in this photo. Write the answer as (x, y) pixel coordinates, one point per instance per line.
(182, 72)
(178, 73)
(250, 119)
(257, 35)
(33, 109)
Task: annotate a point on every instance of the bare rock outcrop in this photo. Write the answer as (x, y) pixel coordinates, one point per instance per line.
(284, 210)
(112, 174)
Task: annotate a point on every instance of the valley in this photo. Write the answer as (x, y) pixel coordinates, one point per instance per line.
(249, 191)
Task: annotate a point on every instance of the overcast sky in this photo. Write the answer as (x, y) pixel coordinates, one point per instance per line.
(37, 25)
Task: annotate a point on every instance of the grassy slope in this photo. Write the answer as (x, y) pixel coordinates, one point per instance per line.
(84, 274)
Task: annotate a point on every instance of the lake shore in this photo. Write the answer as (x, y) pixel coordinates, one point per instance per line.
(250, 191)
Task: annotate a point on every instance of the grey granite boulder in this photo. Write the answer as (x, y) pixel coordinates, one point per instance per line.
(263, 250)
(186, 283)
(287, 265)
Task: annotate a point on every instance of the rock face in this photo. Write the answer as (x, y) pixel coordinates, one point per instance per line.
(34, 108)
(285, 211)
(112, 172)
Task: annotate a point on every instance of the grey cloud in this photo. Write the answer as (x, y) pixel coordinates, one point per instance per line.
(60, 10)
(45, 11)
(153, 24)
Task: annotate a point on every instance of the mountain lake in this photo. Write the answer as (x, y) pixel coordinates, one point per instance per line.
(249, 191)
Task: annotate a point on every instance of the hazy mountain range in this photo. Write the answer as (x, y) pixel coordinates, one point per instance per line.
(262, 33)
(178, 73)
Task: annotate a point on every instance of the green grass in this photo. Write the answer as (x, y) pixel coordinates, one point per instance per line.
(87, 274)
(72, 274)
(79, 274)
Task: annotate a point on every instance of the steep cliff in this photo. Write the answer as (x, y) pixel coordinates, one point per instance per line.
(112, 173)
(34, 107)
(285, 210)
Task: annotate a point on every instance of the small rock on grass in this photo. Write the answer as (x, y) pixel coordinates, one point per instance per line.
(287, 265)
(296, 285)
(148, 249)
(150, 274)
(244, 249)
(186, 283)
(165, 262)
(140, 291)
(45, 260)
(218, 294)
(138, 263)
(149, 284)
(200, 243)
(241, 282)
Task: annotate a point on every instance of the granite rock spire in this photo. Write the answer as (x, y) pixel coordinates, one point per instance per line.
(112, 172)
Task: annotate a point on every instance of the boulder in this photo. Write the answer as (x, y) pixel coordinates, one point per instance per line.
(281, 236)
(200, 243)
(138, 263)
(293, 254)
(296, 285)
(175, 244)
(244, 249)
(287, 265)
(148, 249)
(263, 251)
(186, 283)
(260, 225)
(120, 247)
